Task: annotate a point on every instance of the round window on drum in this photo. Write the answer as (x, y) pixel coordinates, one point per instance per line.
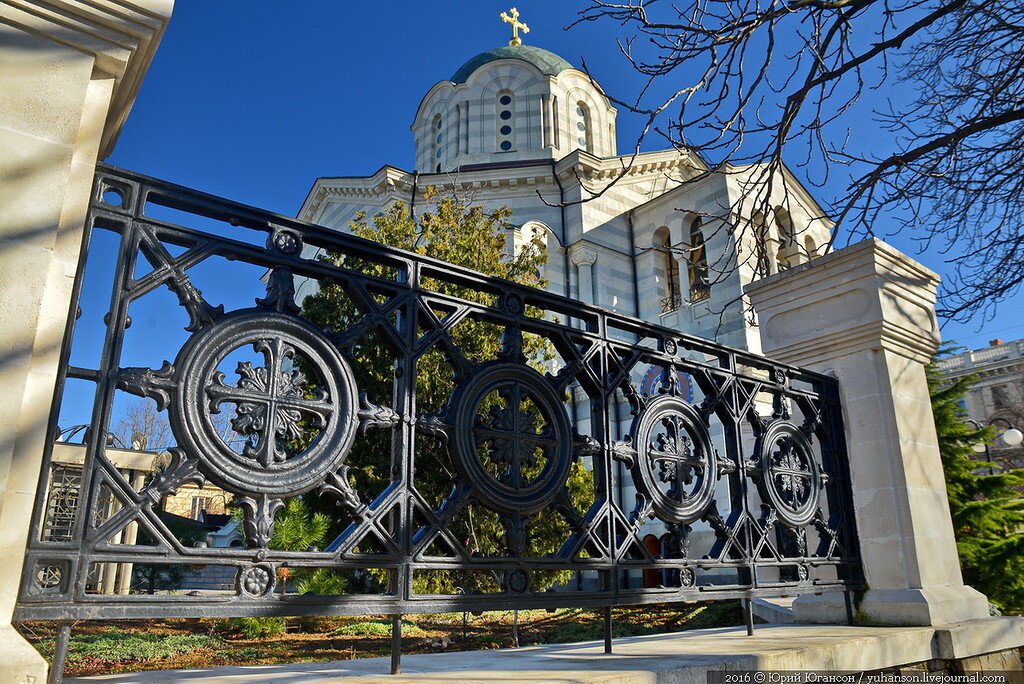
(505, 121)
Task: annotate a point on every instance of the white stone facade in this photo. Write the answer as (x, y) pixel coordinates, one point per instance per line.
(561, 149)
(997, 396)
(621, 230)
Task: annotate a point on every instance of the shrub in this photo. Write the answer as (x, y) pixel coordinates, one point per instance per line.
(113, 645)
(256, 627)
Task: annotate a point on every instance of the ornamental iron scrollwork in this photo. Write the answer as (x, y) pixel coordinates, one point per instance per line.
(676, 465)
(595, 460)
(511, 437)
(788, 474)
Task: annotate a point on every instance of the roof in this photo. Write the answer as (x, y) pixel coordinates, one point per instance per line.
(548, 62)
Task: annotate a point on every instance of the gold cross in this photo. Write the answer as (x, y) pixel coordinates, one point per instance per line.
(512, 17)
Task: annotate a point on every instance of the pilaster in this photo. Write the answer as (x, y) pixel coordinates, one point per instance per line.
(69, 72)
(866, 315)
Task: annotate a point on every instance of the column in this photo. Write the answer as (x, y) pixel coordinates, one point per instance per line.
(866, 315)
(131, 535)
(584, 260)
(70, 72)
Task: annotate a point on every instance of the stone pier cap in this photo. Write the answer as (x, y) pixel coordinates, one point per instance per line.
(866, 295)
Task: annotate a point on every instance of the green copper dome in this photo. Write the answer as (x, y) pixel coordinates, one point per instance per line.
(548, 62)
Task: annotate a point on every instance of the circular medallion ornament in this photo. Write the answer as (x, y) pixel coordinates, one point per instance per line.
(676, 466)
(687, 577)
(287, 242)
(256, 581)
(292, 435)
(517, 581)
(511, 437)
(513, 303)
(790, 479)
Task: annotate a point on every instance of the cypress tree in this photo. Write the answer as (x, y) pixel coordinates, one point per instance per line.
(986, 507)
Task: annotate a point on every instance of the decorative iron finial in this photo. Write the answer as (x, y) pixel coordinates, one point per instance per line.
(512, 17)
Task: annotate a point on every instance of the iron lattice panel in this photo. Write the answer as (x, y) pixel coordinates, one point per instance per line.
(725, 477)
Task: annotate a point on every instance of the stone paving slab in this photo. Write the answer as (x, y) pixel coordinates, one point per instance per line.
(681, 658)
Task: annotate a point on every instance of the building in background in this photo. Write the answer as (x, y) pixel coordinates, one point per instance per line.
(521, 127)
(997, 397)
(653, 235)
(202, 510)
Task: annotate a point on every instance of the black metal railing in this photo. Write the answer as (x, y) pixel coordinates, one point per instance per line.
(535, 476)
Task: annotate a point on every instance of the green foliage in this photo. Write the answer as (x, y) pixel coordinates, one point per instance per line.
(380, 628)
(296, 528)
(987, 510)
(256, 627)
(466, 236)
(116, 646)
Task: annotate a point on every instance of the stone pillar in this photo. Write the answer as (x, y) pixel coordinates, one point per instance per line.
(69, 72)
(865, 314)
(584, 260)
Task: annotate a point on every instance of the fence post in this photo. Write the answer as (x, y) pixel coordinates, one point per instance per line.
(866, 315)
(70, 73)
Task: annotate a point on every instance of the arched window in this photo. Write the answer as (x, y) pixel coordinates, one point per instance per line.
(700, 285)
(583, 126)
(437, 143)
(765, 258)
(505, 121)
(671, 296)
(789, 249)
(652, 577)
(533, 235)
(810, 248)
(782, 257)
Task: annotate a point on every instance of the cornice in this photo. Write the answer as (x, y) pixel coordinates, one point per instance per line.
(121, 35)
(888, 299)
(587, 167)
(571, 169)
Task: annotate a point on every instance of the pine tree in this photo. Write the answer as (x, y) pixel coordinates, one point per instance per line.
(987, 510)
(464, 235)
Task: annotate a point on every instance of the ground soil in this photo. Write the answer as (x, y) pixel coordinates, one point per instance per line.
(103, 647)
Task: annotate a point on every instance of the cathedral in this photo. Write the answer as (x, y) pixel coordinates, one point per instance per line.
(520, 126)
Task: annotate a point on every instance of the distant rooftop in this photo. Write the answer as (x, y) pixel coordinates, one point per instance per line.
(996, 351)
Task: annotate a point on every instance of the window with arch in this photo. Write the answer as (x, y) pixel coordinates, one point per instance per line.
(810, 248)
(671, 293)
(583, 126)
(789, 249)
(765, 258)
(700, 284)
(505, 121)
(437, 142)
(533, 235)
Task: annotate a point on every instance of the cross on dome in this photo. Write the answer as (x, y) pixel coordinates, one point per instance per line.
(512, 17)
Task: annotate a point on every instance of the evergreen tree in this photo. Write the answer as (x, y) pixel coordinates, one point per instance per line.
(987, 510)
(465, 235)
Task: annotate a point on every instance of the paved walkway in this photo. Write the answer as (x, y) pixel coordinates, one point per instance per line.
(685, 657)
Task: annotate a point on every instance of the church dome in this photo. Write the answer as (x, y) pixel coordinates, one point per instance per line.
(513, 103)
(547, 62)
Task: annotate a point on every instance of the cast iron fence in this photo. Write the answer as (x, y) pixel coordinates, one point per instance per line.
(543, 477)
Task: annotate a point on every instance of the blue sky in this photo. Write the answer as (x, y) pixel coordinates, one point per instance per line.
(254, 100)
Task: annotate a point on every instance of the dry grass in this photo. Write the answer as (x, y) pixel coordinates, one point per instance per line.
(104, 647)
